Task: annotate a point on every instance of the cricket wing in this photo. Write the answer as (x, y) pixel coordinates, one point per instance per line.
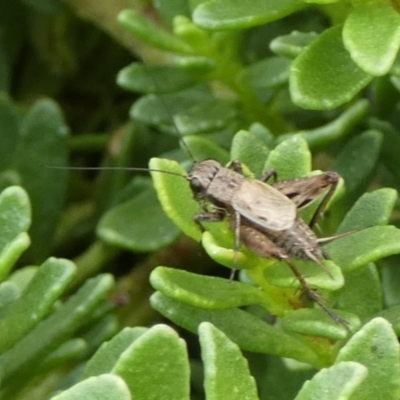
(304, 191)
(264, 206)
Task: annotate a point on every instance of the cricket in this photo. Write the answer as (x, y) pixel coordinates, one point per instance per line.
(265, 218)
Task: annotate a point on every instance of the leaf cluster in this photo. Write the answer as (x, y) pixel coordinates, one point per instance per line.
(297, 85)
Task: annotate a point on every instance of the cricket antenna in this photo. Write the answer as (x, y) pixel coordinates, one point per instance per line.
(166, 108)
(116, 169)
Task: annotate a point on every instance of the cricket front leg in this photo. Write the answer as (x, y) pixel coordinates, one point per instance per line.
(209, 216)
(236, 165)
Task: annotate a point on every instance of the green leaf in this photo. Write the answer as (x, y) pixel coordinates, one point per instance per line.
(11, 253)
(43, 141)
(270, 372)
(390, 285)
(361, 248)
(104, 387)
(376, 347)
(156, 110)
(342, 126)
(219, 244)
(168, 10)
(262, 133)
(207, 117)
(154, 78)
(279, 274)
(231, 14)
(144, 29)
(197, 65)
(44, 289)
(370, 209)
(362, 293)
(175, 196)
(204, 291)
(22, 276)
(250, 150)
(107, 355)
(156, 366)
(226, 371)
(203, 148)
(324, 76)
(291, 158)
(9, 292)
(138, 224)
(316, 322)
(102, 328)
(337, 382)
(357, 161)
(257, 336)
(391, 142)
(50, 333)
(15, 214)
(392, 315)
(70, 351)
(292, 45)
(198, 38)
(268, 73)
(15, 218)
(371, 34)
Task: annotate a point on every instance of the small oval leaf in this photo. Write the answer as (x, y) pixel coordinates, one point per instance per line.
(336, 382)
(374, 53)
(324, 76)
(226, 371)
(376, 347)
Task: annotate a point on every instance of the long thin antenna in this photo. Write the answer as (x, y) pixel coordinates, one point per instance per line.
(161, 98)
(116, 169)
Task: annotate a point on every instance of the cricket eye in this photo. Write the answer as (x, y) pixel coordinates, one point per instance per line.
(196, 185)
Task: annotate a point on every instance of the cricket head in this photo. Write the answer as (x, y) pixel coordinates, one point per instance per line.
(201, 176)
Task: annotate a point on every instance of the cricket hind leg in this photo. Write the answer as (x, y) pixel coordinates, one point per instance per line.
(236, 165)
(315, 296)
(268, 174)
(332, 180)
(261, 245)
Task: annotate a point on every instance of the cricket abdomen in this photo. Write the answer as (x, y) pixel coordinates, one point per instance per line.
(299, 241)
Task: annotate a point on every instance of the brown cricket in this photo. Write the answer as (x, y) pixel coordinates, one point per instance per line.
(265, 218)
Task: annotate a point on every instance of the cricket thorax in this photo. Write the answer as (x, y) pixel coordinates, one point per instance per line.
(201, 175)
(211, 181)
